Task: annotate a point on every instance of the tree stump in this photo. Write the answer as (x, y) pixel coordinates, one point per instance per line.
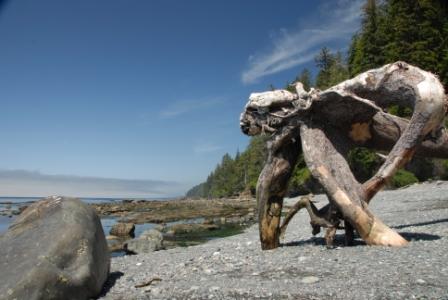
(325, 125)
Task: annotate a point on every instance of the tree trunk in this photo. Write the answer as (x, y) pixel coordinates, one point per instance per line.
(328, 165)
(272, 186)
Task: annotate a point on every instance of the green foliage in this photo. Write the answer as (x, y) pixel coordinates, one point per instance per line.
(415, 31)
(363, 163)
(234, 175)
(305, 79)
(403, 178)
(365, 50)
(421, 167)
(324, 61)
(401, 111)
(444, 173)
(412, 31)
(301, 181)
(253, 161)
(332, 69)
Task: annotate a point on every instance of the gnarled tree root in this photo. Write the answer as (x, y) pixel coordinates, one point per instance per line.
(331, 122)
(318, 219)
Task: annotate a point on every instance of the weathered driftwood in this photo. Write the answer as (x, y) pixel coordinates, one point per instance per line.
(319, 218)
(326, 125)
(273, 182)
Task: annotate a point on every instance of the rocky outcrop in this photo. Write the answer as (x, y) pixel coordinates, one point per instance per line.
(149, 241)
(139, 212)
(123, 229)
(56, 249)
(190, 228)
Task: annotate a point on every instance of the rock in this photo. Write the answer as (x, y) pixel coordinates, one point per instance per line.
(115, 245)
(160, 227)
(22, 208)
(152, 234)
(150, 241)
(6, 213)
(208, 222)
(420, 281)
(123, 229)
(310, 279)
(189, 228)
(55, 249)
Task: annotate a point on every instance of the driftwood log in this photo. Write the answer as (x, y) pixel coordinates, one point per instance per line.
(325, 125)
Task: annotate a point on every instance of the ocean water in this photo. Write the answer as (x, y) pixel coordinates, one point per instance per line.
(15, 202)
(106, 222)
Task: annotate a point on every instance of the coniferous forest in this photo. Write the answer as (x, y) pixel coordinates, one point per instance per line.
(414, 31)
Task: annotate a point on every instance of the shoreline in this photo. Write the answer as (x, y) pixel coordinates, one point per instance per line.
(182, 222)
(236, 268)
(185, 221)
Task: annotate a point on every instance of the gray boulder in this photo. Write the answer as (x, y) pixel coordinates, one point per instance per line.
(123, 229)
(56, 249)
(149, 241)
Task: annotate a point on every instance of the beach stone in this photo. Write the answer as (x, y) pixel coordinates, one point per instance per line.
(190, 228)
(310, 279)
(123, 229)
(149, 241)
(56, 249)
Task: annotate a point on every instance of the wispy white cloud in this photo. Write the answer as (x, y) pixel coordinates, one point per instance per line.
(24, 183)
(203, 148)
(182, 107)
(335, 20)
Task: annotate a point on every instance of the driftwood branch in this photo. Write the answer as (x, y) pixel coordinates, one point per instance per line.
(319, 218)
(147, 283)
(272, 185)
(329, 124)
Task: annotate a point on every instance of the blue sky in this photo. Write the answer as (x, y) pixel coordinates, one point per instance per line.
(142, 98)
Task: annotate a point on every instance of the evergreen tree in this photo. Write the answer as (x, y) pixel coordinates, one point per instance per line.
(221, 184)
(234, 175)
(366, 48)
(256, 155)
(338, 70)
(305, 79)
(332, 69)
(324, 61)
(413, 31)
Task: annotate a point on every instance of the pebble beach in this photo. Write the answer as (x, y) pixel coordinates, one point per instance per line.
(303, 268)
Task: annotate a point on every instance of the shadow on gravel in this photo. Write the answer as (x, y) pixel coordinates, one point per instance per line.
(339, 241)
(110, 282)
(421, 223)
(416, 236)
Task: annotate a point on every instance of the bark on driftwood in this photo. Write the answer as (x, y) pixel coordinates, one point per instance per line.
(273, 183)
(326, 125)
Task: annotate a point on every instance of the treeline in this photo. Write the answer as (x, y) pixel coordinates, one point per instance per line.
(234, 175)
(415, 31)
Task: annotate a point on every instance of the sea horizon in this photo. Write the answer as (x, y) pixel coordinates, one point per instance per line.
(29, 199)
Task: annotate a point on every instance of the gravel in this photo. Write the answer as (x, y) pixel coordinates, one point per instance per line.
(236, 268)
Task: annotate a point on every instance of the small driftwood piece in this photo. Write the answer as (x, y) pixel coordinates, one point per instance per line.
(147, 283)
(325, 125)
(318, 218)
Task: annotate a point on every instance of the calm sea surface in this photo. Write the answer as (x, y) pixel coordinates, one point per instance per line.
(15, 202)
